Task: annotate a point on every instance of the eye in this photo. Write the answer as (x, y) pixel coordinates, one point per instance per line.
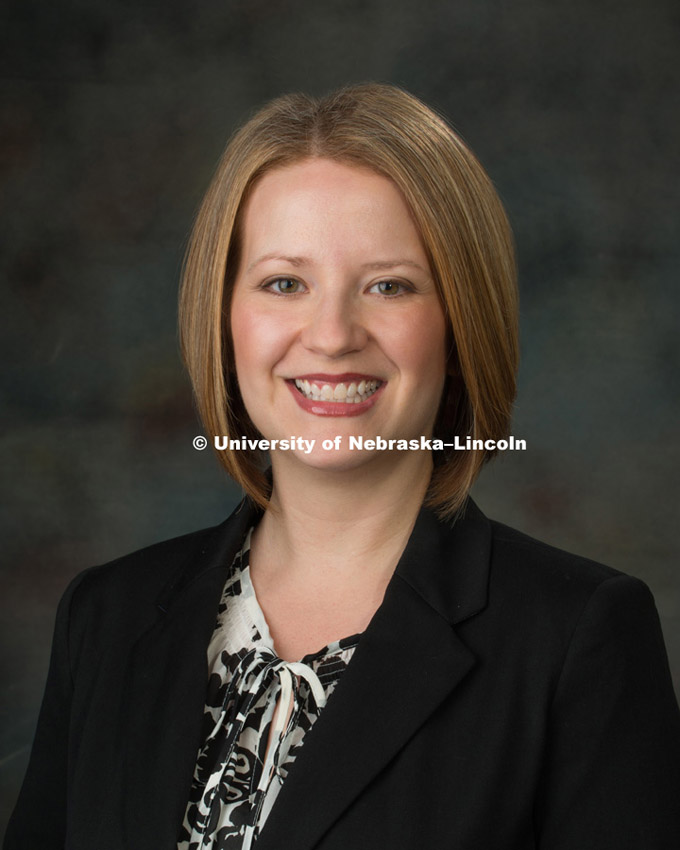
(390, 288)
(285, 286)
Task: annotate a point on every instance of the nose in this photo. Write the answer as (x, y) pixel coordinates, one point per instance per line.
(335, 326)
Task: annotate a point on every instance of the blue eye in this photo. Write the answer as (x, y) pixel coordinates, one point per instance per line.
(389, 288)
(285, 286)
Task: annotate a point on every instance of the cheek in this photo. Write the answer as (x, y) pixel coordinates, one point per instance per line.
(423, 344)
(241, 336)
(244, 340)
(259, 340)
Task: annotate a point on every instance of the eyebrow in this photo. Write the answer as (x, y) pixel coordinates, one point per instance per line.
(297, 262)
(293, 261)
(381, 265)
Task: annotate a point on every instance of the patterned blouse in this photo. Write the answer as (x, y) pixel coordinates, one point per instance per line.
(258, 710)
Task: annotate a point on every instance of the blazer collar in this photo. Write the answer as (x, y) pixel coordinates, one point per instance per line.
(447, 563)
(217, 553)
(441, 579)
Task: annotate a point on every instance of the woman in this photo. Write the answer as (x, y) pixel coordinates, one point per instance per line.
(357, 658)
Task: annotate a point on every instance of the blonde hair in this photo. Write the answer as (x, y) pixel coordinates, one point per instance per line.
(465, 233)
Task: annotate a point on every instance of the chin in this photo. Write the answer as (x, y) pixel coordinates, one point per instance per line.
(342, 460)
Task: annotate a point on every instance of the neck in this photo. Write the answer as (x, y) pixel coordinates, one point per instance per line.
(334, 524)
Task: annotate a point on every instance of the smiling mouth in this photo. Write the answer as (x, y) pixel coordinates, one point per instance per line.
(353, 392)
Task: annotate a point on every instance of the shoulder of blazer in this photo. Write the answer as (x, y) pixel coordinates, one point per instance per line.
(119, 600)
(168, 565)
(471, 565)
(519, 549)
(540, 598)
(534, 574)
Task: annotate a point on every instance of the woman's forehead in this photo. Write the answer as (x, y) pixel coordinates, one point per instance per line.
(320, 205)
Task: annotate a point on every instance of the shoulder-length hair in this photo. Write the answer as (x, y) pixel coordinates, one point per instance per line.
(466, 236)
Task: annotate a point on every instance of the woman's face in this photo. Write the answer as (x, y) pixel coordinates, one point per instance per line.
(336, 324)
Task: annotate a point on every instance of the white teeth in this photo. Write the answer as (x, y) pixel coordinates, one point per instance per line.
(352, 394)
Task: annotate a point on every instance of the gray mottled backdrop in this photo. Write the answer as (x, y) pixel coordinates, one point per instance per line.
(113, 115)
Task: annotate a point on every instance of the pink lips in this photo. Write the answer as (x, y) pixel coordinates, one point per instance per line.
(334, 408)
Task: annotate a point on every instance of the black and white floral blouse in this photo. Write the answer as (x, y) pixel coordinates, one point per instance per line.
(258, 710)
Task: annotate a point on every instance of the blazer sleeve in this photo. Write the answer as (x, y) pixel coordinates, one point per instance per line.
(39, 818)
(612, 771)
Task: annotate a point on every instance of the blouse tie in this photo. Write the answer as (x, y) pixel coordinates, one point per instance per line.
(260, 676)
(262, 671)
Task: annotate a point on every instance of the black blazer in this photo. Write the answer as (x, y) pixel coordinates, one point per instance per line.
(505, 696)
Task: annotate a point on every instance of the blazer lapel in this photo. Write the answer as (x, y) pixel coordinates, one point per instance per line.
(164, 692)
(407, 662)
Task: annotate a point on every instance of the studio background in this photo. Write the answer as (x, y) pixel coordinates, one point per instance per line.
(113, 115)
